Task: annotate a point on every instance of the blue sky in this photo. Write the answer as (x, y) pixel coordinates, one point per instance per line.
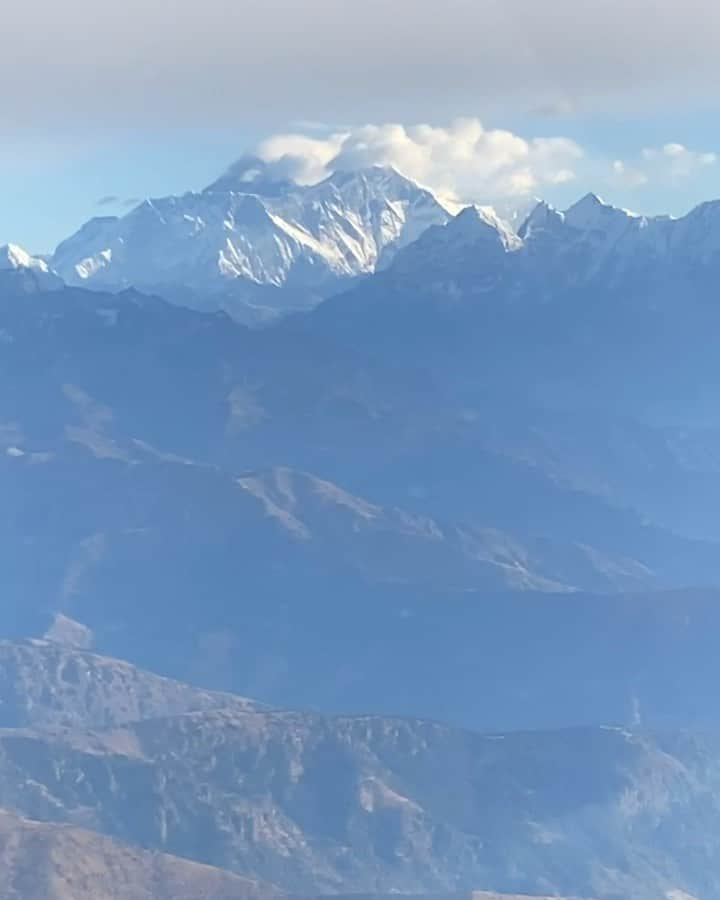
(51, 183)
(125, 100)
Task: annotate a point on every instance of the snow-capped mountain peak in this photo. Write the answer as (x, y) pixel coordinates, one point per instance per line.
(482, 222)
(591, 212)
(250, 233)
(578, 243)
(257, 244)
(12, 256)
(543, 219)
(592, 243)
(29, 273)
(252, 175)
(472, 244)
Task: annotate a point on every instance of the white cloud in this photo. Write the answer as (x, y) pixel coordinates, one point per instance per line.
(627, 176)
(463, 161)
(676, 161)
(672, 163)
(301, 157)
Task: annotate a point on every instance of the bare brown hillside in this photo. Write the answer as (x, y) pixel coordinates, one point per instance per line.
(56, 862)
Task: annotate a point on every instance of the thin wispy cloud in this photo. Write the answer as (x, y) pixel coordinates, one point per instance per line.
(113, 200)
(673, 163)
(556, 108)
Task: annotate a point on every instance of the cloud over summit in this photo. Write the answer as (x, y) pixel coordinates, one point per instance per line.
(463, 161)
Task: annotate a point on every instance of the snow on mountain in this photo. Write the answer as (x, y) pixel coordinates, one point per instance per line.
(696, 235)
(588, 238)
(472, 245)
(245, 236)
(591, 241)
(259, 245)
(31, 272)
(14, 257)
(482, 223)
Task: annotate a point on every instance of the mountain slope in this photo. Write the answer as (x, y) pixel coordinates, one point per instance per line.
(371, 804)
(41, 861)
(381, 804)
(386, 431)
(43, 684)
(51, 862)
(557, 350)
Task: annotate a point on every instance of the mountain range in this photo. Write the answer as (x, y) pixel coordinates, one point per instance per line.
(253, 248)
(293, 801)
(449, 519)
(82, 865)
(259, 247)
(280, 494)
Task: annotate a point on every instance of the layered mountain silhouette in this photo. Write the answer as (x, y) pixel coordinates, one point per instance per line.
(261, 511)
(451, 525)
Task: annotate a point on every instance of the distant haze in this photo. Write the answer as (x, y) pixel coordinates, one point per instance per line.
(224, 60)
